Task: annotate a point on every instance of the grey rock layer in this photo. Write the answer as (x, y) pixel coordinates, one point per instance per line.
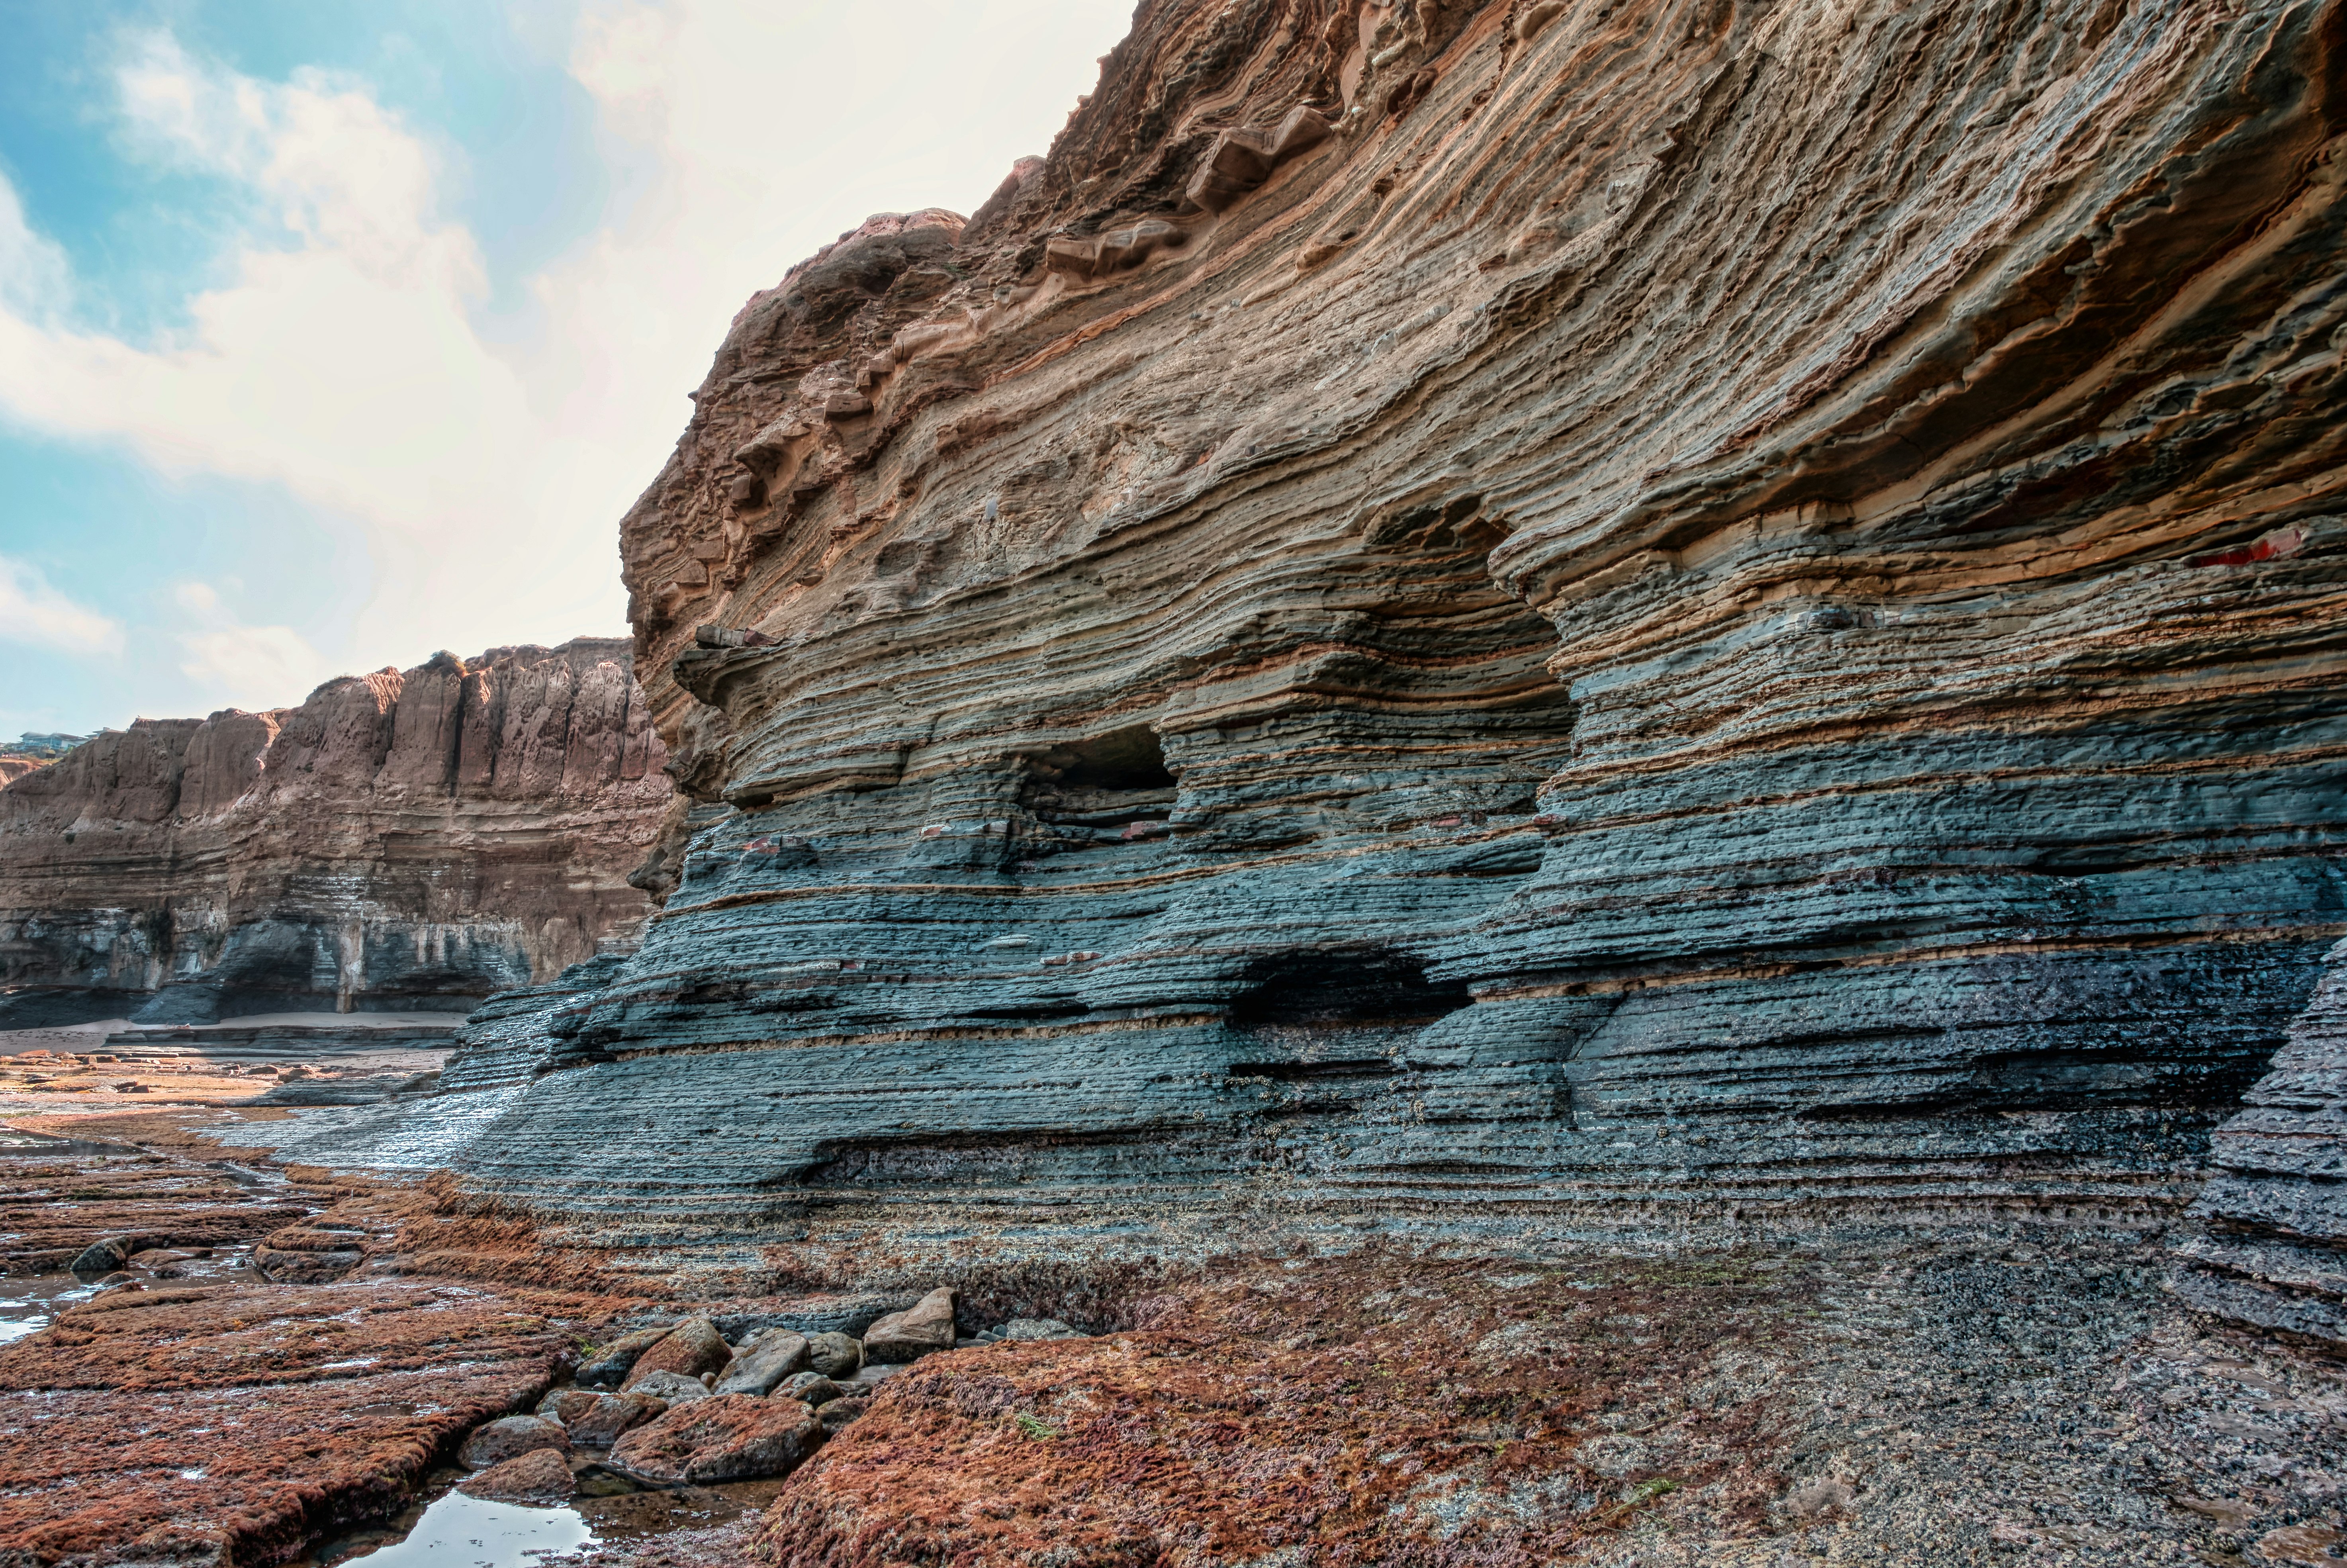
(2274, 1252)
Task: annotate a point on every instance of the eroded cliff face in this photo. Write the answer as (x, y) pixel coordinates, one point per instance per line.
(1549, 614)
(398, 841)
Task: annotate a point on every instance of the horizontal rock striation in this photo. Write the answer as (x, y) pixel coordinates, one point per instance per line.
(1546, 616)
(399, 841)
(2274, 1249)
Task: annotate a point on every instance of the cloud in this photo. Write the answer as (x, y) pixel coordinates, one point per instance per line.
(251, 667)
(349, 352)
(36, 615)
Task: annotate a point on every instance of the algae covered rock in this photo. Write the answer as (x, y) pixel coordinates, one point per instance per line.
(729, 1437)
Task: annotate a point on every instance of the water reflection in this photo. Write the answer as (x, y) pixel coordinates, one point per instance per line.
(461, 1531)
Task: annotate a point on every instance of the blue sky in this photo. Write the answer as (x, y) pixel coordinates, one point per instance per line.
(332, 334)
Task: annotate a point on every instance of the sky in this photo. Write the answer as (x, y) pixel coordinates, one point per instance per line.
(332, 334)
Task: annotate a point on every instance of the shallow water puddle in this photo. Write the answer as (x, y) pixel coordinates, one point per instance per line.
(454, 1531)
(28, 1302)
(461, 1531)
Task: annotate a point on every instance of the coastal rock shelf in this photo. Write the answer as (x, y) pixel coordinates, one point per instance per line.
(1697, 613)
(398, 841)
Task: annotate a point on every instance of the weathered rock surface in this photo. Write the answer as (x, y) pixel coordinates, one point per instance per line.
(510, 1438)
(777, 1355)
(540, 1476)
(689, 1349)
(611, 1364)
(835, 1355)
(918, 1332)
(399, 841)
(2276, 1212)
(730, 1437)
(669, 1387)
(613, 1416)
(1701, 612)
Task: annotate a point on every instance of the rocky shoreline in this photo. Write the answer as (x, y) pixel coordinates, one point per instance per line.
(1962, 1395)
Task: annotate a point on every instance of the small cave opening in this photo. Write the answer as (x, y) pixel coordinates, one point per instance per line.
(1336, 1014)
(1109, 780)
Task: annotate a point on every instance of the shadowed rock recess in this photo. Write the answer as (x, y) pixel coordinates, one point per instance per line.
(1535, 618)
(399, 841)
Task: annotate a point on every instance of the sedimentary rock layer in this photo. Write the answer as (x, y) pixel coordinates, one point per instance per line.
(2276, 1212)
(1546, 612)
(399, 840)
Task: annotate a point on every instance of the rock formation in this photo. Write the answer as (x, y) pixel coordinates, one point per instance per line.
(399, 841)
(2276, 1209)
(1545, 614)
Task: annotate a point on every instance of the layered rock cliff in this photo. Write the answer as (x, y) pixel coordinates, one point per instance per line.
(1549, 613)
(400, 840)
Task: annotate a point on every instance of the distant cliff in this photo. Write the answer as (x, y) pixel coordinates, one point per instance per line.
(398, 841)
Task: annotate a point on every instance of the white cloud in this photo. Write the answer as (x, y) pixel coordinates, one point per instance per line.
(36, 615)
(348, 354)
(34, 275)
(250, 667)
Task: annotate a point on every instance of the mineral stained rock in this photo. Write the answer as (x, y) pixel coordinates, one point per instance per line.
(1535, 617)
(399, 841)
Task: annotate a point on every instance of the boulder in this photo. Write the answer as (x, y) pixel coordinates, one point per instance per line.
(811, 1389)
(778, 1353)
(567, 1405)
(612, 1363)
(729, 1437)
(512, 1437)
(541, 1476)
(1038, 1328)
(692, 1348)
(100, 1257)
(839, 1412)
(835, 1355)
(914, 1333)
(670, 1386)
(613, 1416)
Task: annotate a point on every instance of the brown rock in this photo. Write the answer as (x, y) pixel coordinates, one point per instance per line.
(909, 1335)
(568, 1405)
(731, 1437)
(777, 1355)
(689, 1349)
(492, 810)
(541, 1475)
(837, 1413)
(611, 1416)
(513, 1436)
(612, 1363)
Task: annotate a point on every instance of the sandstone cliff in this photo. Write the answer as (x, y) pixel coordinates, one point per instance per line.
(1551, 614)
(398, 841)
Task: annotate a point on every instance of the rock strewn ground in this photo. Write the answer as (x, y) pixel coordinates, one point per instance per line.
(1910, 1404)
